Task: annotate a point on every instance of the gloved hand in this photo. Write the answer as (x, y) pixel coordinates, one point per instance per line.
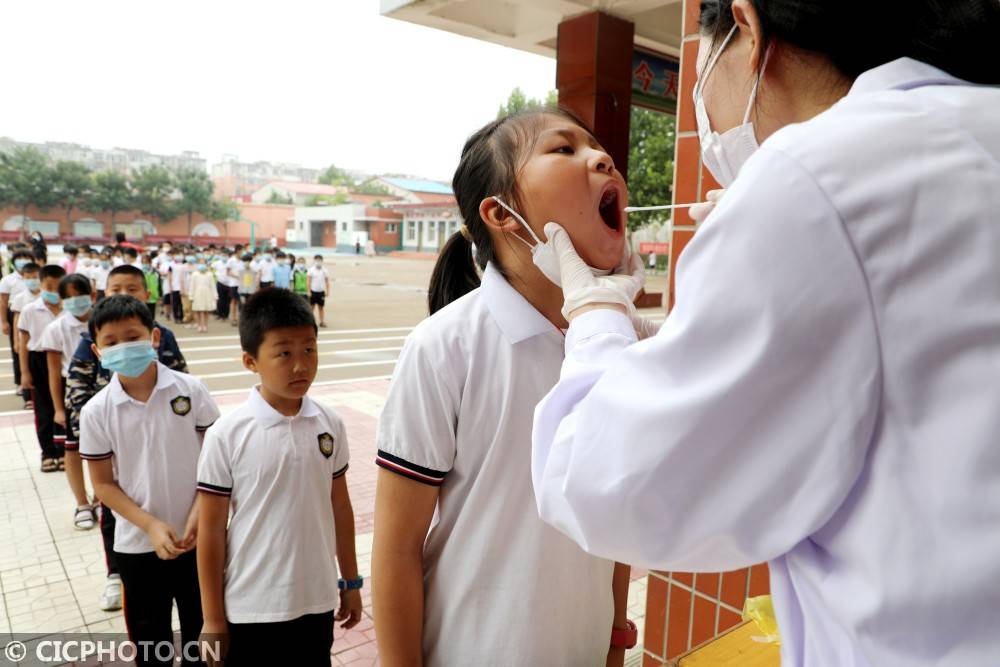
(582, 288)
(644, 328)
(699, 212)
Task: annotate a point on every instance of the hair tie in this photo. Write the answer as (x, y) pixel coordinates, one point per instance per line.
(466, 234)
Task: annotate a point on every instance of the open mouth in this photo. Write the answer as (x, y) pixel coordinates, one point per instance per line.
(610, 210)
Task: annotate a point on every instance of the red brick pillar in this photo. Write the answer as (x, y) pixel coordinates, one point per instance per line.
(684, 610)
(594, 77)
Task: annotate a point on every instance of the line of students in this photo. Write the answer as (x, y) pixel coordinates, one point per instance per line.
(239, 519)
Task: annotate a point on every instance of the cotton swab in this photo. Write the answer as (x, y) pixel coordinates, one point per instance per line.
(635, 209)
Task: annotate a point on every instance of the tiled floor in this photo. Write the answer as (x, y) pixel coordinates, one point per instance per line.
(52, 575)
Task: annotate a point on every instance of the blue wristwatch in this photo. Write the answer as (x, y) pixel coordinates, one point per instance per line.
(351, 584)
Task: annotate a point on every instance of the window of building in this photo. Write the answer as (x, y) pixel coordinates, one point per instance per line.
(343, 226)
(390, 228)
(411, 231)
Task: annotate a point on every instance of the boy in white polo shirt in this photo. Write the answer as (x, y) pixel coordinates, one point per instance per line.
(278, 462)
(141, 436)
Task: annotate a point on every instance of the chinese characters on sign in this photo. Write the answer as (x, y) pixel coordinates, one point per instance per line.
(655, 81)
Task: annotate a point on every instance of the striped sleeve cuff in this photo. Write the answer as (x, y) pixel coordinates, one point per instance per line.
(215, 489)
(407, 469)
(202, 429)
(96, 457)
(341, 472)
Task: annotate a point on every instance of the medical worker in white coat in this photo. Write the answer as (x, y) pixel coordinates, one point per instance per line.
(825, 394)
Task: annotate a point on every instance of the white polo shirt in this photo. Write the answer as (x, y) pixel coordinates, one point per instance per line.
(100, 277)
(317, 278)
(34, 318)
(266, 269)
(234, 267)
(278, 471)
(63, 336)
(12, 284)
(500, 586)
(154, 445)
(21, 299)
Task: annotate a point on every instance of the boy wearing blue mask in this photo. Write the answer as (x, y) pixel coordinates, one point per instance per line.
(59, 341)
(86, 378)
(141, 436)
(10, 286)
(31, 324)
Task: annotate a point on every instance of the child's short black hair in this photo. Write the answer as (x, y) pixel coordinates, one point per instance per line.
(116, 308)
(319, 257)
(128, 270)
(268, 309)
(280, 255)
(30, 267)
(81, 284)
(40, 254)
(51, 271)
(23, 253)
(247, 257)
(71, 250)
(131, 252)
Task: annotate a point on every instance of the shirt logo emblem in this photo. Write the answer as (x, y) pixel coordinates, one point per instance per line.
(181, 405)
(325, 444)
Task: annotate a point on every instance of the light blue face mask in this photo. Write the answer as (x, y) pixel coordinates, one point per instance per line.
(21, 263)
(50, 297)
(128, 359)
(77, 305)
(33, 284)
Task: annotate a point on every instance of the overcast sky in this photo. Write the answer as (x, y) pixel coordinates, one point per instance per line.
(312, 82)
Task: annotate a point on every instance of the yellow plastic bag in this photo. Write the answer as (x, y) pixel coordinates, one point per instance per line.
(761, 611)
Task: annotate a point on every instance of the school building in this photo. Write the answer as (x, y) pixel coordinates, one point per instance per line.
(639, 52)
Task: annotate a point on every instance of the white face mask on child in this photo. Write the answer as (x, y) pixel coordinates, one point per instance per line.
(543, 255)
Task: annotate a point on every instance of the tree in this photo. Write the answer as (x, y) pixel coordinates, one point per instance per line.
(276, 198)
(329, 200)
(195, 193)
(219, 210)
(518, 102)
(650, 161)
(371, 187)
(73, 186)
(26, 180)
(110, 194)
(334, 175)
(153, 188)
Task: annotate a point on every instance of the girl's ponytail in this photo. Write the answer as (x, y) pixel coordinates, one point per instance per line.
(454, 274)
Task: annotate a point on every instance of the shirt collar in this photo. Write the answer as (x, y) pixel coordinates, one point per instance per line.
(903, 74)
(164, 379)
(517, 319)
(268, 416)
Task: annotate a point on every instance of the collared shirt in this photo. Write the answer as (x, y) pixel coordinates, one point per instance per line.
(318, 276)
(824, 395)
(34, 318)
(282, 276)
(266, 269)
(278, 471)
(21, 299)
(63, 336)
(154, 447)
(85, 376)
(458, 416)
(12, 284)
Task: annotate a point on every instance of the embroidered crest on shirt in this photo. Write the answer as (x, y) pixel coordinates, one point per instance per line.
(325, 444)
(181, 405)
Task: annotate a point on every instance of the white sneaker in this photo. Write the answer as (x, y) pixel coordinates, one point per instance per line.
(111, 598)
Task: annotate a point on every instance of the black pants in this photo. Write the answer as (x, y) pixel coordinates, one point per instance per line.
(13, 354)
(222, 305)
(51, 436)
(108, 523)
(264, 285)
(308, 637)
(178, 306)
(150, 587)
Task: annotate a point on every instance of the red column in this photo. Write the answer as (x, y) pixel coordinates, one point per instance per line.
(594, 77)
(684, 610)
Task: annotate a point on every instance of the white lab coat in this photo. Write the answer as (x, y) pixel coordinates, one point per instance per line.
(825, 395)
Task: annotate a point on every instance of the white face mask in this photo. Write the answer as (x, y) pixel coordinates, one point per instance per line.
(543, 255)
(725, 154)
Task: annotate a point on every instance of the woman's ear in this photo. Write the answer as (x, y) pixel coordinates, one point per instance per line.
(497, 217)
(748, 20)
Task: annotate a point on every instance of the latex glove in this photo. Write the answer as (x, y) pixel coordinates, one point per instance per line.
(644, 328)
(699, 212)
(582, 288)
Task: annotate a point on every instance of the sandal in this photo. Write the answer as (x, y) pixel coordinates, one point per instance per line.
(50, 465)
(29, 405)
(62, 463)
(84, 518)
